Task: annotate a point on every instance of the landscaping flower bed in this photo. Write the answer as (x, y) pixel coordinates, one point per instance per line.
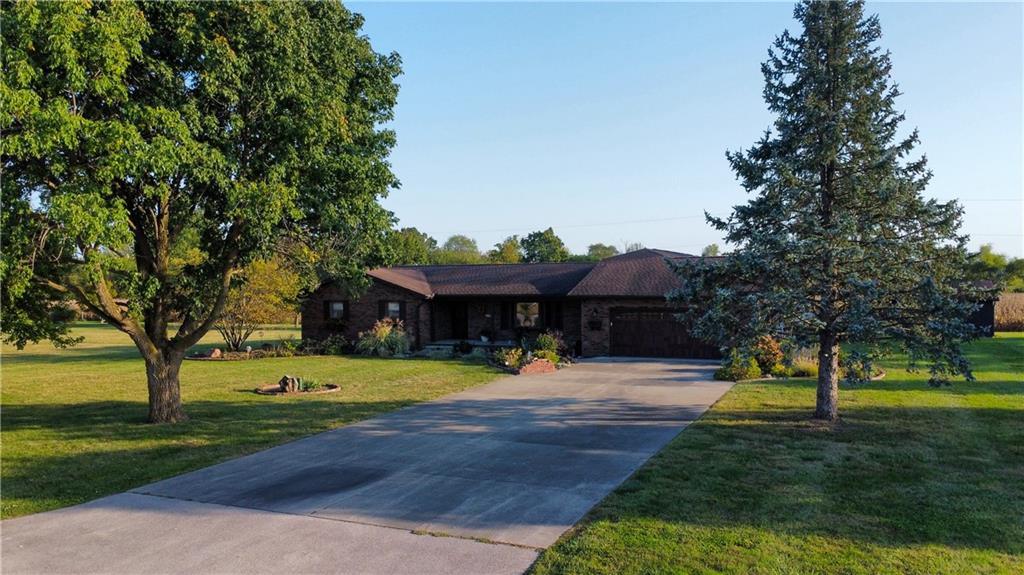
(291, 385)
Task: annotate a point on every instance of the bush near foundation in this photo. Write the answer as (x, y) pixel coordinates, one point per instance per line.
(385, 339)
(738, 366)
(767, 352)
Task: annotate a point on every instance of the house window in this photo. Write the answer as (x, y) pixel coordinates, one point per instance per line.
(530, 315)
(336, 310)
(527, 314)
(392, 309)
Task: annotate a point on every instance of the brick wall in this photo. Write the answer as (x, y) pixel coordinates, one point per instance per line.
(363, 312)
(597, 342)
(571, 328)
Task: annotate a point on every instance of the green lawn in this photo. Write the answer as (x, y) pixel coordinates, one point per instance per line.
(913, 480)
(73, 420)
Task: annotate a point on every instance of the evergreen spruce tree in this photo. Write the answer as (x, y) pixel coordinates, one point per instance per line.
(838, 244)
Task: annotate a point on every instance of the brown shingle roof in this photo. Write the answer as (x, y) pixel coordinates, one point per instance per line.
(643, 273)
(547, 279)
(411, 278)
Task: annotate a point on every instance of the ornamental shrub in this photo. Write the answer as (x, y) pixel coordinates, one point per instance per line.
(804, 368)
(549, 341)
(291, 345)
(767, 352)
(335, 344)
(548, 355)
(310, 384)
(385, 339)
(509, 357)
(736, 367)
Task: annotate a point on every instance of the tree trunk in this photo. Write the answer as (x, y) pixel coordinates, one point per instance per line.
(164, 388)
(827, 406)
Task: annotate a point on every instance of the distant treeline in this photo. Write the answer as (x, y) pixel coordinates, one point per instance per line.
(412, 247)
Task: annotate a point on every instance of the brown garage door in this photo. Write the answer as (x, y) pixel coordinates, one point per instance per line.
(643, 332)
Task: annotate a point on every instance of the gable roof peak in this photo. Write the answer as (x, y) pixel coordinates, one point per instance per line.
(649, 253)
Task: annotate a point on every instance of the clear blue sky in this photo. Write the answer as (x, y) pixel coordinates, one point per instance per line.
(516, 117)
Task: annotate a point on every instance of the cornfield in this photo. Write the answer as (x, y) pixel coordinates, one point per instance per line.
(1010, 312)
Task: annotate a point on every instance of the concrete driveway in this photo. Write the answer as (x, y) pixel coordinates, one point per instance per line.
(475, 482)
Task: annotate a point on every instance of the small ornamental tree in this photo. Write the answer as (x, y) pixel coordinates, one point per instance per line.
(838, 245)
(266, 293)
(134, 131)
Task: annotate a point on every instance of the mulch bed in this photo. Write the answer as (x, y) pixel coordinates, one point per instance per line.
(237, 355)
(537, 366)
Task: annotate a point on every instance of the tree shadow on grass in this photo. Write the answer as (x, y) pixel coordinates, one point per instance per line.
(900, 381)
(89, 353)
(261, 415)
(951, 476)
(216, 431)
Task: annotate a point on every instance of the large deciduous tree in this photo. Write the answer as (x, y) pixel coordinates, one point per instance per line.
(710, 251)
(457, 249)
(838, 245)
(410, 246)
(600, 251)
(989, 266)
(130, 128)
(507, 251)
(544, 246)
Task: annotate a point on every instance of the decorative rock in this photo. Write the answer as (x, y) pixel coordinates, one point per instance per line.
(216, 353)
(289, 384)
(538, 366)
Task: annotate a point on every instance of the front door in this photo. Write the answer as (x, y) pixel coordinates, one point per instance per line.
(460, 320)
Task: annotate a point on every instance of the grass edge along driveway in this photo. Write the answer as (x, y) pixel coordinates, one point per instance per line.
(912, 480)
(74, 420)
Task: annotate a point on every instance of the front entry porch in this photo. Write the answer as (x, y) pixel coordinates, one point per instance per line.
(502, 322)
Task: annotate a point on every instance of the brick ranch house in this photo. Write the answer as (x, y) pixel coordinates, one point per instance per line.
(613, 307)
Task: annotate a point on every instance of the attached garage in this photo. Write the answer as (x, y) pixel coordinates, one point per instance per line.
(653, 332)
